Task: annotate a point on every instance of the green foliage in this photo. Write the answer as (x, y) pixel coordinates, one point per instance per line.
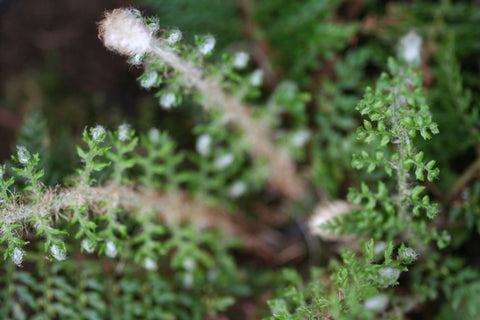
(139, 230)
(355, 290)
(452, 277)
(56, 156)
(336, 122)
(102, 289)
(223, 170)
(469, 213)
(304, 32)
(93, 139)
(102, 223)
(396, 112)
(200, 17)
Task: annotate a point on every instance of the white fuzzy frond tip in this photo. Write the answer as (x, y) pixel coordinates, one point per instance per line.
(174, 36)
(410, 47)
(17, 256)
(240, 60)
(207, 45)
(123, 31)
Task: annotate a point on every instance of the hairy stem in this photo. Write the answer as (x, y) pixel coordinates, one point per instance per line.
(283, 176)
(404, 144)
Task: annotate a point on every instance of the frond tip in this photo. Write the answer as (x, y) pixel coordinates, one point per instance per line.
(124, 31)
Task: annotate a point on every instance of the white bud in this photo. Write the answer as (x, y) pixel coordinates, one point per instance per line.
(58, 253)
(188, 280)
(154, 135)
(388, 276)
(237, 189)
(377, 303)
(300, 137)
(149, 79)
(174, 36)
(224, 161)
(240, 60)
(256, 78)
(23, 155)
(98, 133)
(407, 255)
(123, 31)
(150, 264)
(410, 47)
(212, 275)
(207, 45)
(189, 264)
(123, 131)
(154, 26)
(17, 256)
(1, 172)
(88, 245)
(167, 100)
(111, 249)
(136, 60)
(203, 144)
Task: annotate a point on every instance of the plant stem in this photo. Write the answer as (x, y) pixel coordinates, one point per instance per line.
(283, 176)
(463, 179)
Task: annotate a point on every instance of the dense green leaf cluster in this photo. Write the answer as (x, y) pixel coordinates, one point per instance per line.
(106, 219)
